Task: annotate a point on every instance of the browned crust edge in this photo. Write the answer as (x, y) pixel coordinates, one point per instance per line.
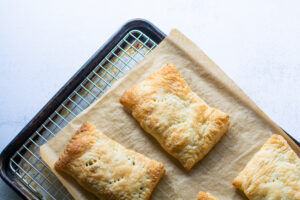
(80, 142)
(155, 171)
(205, 196)
(129, 99)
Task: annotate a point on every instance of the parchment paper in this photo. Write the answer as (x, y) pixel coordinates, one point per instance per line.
(248, 131)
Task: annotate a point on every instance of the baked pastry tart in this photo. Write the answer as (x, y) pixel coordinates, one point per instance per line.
(106, 168)
(184, 125)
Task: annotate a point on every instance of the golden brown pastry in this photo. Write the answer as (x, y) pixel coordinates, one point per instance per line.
(184, 125)
(106, 168)
(272, 174)
(205, 196)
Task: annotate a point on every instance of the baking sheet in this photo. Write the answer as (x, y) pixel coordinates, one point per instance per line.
(248, 131)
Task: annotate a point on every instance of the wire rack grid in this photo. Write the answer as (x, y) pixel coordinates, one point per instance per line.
(26, 163)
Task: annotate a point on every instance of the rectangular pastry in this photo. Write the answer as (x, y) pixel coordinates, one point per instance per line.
(205, 196)
(184, 125)
(106, 168)
(272, 174)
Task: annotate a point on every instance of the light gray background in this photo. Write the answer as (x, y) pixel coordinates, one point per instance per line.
(43, 43)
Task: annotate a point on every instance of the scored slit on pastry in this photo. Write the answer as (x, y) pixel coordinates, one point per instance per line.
(272, 174)
(106, 168)
(184, 125)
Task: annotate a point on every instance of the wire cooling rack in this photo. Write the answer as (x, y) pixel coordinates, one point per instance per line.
(26, 163)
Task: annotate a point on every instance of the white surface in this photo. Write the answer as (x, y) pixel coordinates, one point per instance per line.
(42, 44)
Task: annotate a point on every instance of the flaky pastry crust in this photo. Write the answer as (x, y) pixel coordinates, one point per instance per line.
(205, 196)
(106, 168)
(184, 125)
(272, 174)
